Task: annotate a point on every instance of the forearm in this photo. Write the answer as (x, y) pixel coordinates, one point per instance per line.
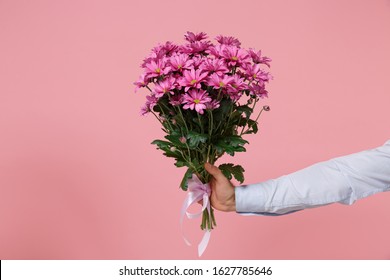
(343, 180)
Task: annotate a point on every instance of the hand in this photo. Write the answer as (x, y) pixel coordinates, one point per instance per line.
(222, 190)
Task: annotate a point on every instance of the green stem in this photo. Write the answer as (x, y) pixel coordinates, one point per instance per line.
(203, 224)
(200, 123)
(212, 216)
(184, 121)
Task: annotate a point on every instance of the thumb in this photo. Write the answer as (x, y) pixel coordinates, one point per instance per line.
(214, 171)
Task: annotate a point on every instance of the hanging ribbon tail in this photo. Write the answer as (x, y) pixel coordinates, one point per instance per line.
(196, 192)
(205, 241)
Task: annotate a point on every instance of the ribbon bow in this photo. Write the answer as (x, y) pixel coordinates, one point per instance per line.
(196, 192)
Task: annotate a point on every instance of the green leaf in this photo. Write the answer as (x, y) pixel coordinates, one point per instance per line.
(229, 149)
(174, 138)
(235, 140)
(253, 128)
(245, 109)
(221, 114)
(180, 163)
(230, 170)
(163, 145)
(230, 144)
(194, 138)
(187, 175)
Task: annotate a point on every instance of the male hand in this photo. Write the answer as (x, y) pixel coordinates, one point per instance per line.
(222, 190)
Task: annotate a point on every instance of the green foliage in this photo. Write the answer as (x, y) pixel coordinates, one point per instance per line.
(195, 138)
(192, 139)
(230, 144)
(230, 170)
(162, 145)
(187, 175)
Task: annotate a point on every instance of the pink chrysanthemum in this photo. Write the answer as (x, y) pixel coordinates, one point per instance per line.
(165, 86)
(151, 101)
(213, 104)
(258, 59)
(217, 66)
(197, 61)
(180, 61)
(141, 82)
(217, 51)
(196, 47)
(156, 68)
(228, 40)
(176, 100)
(194, 37)
(254, 72)
(237, 84)
(196, 100)
(235, 56)
(192, 78)
(258, 90)
(217, 81)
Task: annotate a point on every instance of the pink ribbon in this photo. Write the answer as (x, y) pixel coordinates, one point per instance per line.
(196, 192)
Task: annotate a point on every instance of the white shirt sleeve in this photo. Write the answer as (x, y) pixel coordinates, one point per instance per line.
(344, 180)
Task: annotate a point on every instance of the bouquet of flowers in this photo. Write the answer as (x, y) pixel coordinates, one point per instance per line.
(204, 95)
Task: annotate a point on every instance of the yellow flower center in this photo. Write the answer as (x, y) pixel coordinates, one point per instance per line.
(158, 70)
(221, 84)
(193, 82)
(234, 58)
(196, 101)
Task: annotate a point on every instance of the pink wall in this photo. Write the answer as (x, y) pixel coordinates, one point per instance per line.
(79, 178)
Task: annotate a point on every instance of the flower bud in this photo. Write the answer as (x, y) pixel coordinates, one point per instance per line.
(183, 139)
(173, 149)
(173, 121)
(266, 108)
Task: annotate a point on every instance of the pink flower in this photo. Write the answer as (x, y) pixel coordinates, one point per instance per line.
(217, 81)
(234, 95)
(151, 101)
(168, 48)
(141, 82)
(161, 51)
(258, 90)
(197, 61)
(237, 84)
(192, 78)
(156, 68)
(193, 37)
(258, 59)
(196, 47)
(235, 56)
(217, 50)
(195, 100)
(176, 100)
(183, 139)
(253, 72)
(228, 40)
(180, 61)
(163, 87)
(217, 66)
(214, 104)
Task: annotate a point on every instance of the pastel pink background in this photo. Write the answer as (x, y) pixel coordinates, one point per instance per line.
(79, 178)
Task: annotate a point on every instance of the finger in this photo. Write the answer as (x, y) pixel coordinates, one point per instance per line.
(214, 171)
